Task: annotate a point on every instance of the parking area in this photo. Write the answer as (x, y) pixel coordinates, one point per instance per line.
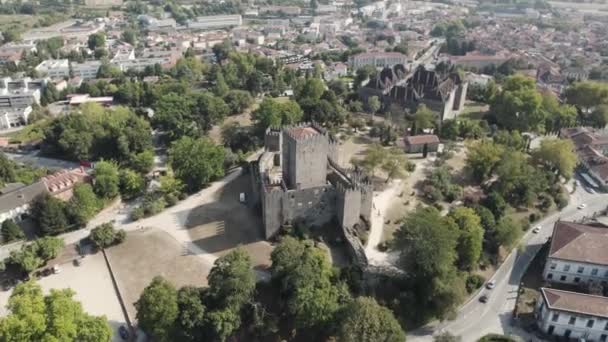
(149, 253)
(92, 284)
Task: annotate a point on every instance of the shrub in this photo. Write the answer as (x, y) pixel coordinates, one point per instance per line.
(438, 206)
(561, 201)
(137, 214)
(105, 235)
(474, 281)
(410, 166)
(533, 217)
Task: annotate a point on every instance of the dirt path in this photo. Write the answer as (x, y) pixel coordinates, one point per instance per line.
(382, 201)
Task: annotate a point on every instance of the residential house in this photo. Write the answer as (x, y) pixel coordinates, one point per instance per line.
(572, 315)
(423, 143)
(577, 254)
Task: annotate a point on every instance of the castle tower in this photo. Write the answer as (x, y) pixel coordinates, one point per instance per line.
(304, 162)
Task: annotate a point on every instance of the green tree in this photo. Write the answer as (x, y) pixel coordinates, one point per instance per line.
(231, 280)
(7, 169)
(587, 95)
(311, 88)
(557, 155)
(107, 180)
(209, 110)
(599, 116)
(142, 162)
(56, 317)
(104, 235)
(427, 243)
(275, 113)
(191, 319)
(129, 36)
(395, 164)
(11, 231)
(132, 184)
(375, 156)
(157, 309)
(508, 232)
(196, 162)
(482, 158)
(373, 104)
(97, 40)
(518, 106)
(364, 320)
(238, 101)
(50, 214)
(471, 237)
(304, 276)
(83, 205)
(424, 118)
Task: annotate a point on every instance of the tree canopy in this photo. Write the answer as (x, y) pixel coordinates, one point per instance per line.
(196, 162)
(366, 321)
(55, 317)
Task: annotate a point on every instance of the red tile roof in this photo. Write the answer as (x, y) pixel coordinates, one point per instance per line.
(302, 132)
(575, 302)
(421, 139)
(579, 242)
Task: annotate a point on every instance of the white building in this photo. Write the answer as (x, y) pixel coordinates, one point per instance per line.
(60, 68)
(215, 22)
(573, 315)
(15, 199)
(578, 254)
(14, 117)
(18, 93)
(377, 59)
(54, 68)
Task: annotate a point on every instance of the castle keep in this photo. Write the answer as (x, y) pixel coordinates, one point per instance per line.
(297, 180)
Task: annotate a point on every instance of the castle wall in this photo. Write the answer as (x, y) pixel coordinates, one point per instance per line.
(314, 206)
(348, 206)
(273, 140)
(271, 211)
(253, 197)
(367, 196)
(461, 96)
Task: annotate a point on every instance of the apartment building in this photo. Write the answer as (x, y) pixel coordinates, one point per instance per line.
(573, 315)
(19, 93)
(578, 254)
(377, 59)
(60, 68)
(14, 117)
(215, 22)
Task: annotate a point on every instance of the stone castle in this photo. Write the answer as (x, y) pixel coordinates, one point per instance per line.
(297, 180)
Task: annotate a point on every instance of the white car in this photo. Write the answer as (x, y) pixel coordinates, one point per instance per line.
(490, 285)
(536, 230)
(56, 269)
(582, 206)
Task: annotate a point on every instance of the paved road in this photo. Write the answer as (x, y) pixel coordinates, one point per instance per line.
(35, 160)
(476, 319)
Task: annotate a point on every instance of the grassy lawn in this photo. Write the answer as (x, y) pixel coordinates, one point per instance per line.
(474, 110)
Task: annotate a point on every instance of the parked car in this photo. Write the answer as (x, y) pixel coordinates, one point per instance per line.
(483, 299)
(491, 284)
(56, 269)
(582, 206)
(123, 332)
(536, 230)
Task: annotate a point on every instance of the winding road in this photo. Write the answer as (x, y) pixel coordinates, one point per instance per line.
(476, 319)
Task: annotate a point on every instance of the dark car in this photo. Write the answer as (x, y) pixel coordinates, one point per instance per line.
(483, 299)
(123, 332)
